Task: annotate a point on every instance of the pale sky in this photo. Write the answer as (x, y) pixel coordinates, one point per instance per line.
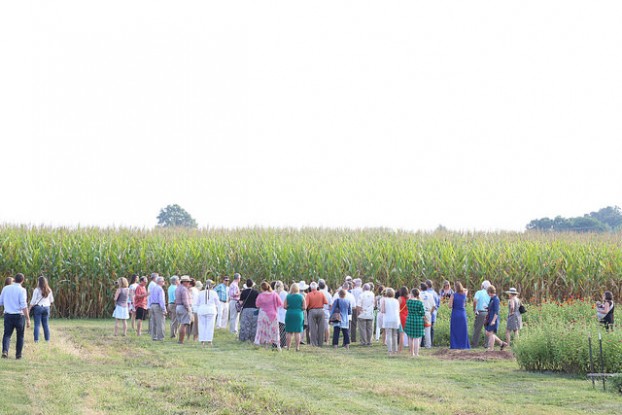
(400, 114)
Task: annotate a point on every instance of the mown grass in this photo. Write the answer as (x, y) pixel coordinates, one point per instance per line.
(86, 370)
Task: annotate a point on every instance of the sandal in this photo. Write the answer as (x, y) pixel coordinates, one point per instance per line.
(504, 345)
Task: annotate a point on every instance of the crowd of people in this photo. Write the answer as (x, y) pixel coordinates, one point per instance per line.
(279, 316)
(282, 317)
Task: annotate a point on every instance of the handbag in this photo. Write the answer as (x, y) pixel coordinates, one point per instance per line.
(31, 311)
(522, 309)
(336, 316)
(239, 306)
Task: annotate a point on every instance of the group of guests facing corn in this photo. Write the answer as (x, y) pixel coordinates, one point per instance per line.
(279, 316)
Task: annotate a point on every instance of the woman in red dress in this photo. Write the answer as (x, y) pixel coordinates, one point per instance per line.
(403, 297)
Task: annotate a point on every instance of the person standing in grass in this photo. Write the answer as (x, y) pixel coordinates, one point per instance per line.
(132, 289)
(234, 297)
(365, 311)
(121, 312)
(402, 298)
(429, 304)
(195, 288)
(183, 306)
(279, 287)
(222, 290)
(140, 303)
(268, 303)
(390, 308)
(207, 313)
(356, 293)
(604, 310)
(342, 306)
(458, 327)
(323, 288)
(492, 320)
(515, 320)
(437, 304)
(414, 322)
(42, 299)
(480, 309)
(249, 314)
(294, 320)
(174, 280)
(13, 298)
(157, 310)
(315, 307)
(380, 315)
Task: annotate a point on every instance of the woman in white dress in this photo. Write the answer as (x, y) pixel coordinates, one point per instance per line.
(391, 323)
(206, 306)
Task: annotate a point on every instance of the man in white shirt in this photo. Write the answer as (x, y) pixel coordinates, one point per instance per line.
(365, 311)
(356, 292)
(13, 298)
(429, 306)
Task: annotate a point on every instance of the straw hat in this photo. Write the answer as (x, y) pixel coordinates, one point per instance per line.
(512, 291)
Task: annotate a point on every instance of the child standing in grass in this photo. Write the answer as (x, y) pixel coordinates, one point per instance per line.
(121, 311)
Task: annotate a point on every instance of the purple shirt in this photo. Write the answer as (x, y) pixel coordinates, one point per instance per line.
(234, 291)
(156, 296)
(182, 296)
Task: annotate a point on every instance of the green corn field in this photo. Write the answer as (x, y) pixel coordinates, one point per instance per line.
(82, 264)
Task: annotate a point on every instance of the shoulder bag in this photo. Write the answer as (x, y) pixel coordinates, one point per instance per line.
(336, 316)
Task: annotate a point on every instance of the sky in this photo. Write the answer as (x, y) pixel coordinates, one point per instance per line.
(403, 114)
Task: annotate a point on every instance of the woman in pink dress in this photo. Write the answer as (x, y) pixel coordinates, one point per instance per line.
(268, 303)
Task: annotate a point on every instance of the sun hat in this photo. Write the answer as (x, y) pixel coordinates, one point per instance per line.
(198, 284)
(302, 285)
(512, 291)
(185, 278)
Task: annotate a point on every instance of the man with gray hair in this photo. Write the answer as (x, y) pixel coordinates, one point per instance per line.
(365, 312)
(315, 307)
(157, 310)
(171, 305)
(480, 308)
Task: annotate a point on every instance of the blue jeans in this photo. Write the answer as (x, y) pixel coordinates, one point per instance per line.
(13, 322)
(346, 336)
(42, 316)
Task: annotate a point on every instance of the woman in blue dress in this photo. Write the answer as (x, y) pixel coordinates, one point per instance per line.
(343, 307)
(458, 327)
(492, 320)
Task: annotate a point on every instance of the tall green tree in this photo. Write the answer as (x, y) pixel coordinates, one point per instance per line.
(174, 216)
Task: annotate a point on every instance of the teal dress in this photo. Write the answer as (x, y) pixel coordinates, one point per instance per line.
(414, 321)
(294, 319)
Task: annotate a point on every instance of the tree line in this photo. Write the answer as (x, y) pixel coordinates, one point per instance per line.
(607, 219)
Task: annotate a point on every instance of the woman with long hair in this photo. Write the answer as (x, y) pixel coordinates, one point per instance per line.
(294, 320)
(458, 325)
(42, 299)
(121, 312)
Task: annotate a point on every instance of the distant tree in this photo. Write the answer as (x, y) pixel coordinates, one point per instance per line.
(175, 216)
(544, 225)
(611, 216)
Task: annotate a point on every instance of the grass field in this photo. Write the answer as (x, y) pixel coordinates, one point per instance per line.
(86, 370)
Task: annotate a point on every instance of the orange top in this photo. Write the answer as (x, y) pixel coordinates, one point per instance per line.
(316, 299)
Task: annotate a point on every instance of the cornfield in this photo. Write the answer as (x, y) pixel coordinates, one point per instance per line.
(82, 264)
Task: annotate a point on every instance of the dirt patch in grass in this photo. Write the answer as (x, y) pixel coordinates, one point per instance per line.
(476, 355)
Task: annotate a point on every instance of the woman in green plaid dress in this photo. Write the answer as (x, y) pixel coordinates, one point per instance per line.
(414, 322)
